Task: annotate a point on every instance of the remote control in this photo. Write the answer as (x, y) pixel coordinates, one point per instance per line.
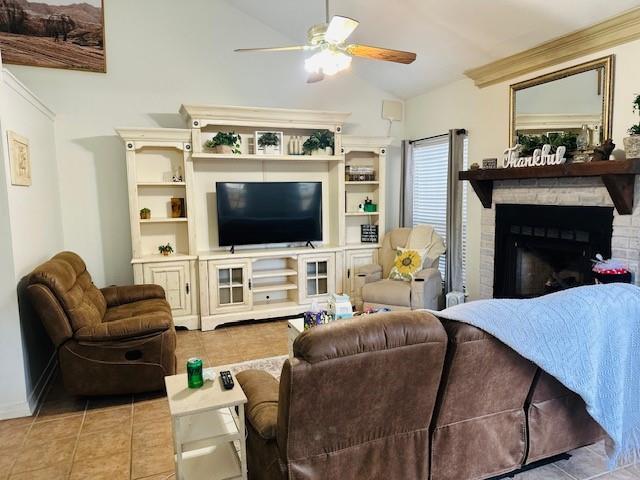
(227, 380)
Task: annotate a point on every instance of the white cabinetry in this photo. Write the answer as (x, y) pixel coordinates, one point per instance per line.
(316, 277)
(230, 286)
(353, 260)
(177, 278)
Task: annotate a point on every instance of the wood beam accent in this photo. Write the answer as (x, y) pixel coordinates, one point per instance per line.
(617, 30)
(618, 177)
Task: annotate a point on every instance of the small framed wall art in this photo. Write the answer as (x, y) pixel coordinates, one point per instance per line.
(19, 159)
(269, 143)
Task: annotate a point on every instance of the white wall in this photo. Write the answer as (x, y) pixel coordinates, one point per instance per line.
(485, 114)
(162, 53)
(31, 232)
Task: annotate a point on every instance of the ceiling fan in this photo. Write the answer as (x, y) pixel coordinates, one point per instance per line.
(332, 54)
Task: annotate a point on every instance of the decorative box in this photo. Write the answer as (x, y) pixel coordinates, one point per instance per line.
(339, 307)
(369, 233)
(359, 173)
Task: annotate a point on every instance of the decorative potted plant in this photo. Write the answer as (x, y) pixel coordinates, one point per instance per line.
(530, 143)
(319, 143)
(224, 142)
(145, 214)
(632, 143)
(165, 249)
(269, 143)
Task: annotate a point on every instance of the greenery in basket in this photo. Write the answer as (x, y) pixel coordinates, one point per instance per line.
(318, 141)
(532, 142)
(635, 130)
(145, 213)
(268, 139)
(231, 139)
(165, 249)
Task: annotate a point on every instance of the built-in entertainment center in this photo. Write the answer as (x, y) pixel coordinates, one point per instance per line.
(254, 234)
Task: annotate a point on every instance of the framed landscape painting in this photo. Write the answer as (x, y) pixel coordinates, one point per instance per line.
(53, 33)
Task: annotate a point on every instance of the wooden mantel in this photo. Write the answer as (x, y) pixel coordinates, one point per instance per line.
(617, 175)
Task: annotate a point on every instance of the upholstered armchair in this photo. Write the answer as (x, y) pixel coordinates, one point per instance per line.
(374, 289)
(117, 340)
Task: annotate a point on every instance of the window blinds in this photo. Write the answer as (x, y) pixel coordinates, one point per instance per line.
(430, 167)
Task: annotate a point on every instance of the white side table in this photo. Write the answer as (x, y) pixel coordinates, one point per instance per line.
(208, 436)
(295, 327)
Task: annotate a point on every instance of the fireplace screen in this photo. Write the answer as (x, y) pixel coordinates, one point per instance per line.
(543, 249)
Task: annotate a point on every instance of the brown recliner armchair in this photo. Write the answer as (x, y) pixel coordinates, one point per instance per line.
(355, 402)
(116, 340)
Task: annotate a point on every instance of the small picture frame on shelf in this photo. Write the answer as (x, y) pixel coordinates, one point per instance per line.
(369, 233)
(489, 163)
(268, 143)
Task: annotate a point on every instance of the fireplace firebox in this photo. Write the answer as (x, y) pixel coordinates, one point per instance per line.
(541, 249)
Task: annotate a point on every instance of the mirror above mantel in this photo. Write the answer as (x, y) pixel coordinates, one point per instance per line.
(570, 107)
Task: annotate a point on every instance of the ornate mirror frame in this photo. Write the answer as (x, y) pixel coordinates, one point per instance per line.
(607, 63)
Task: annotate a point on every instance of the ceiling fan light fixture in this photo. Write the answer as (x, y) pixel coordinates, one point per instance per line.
(328, 61)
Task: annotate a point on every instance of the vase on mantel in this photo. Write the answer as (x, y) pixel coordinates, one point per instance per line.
(226, 149)
(632, 146)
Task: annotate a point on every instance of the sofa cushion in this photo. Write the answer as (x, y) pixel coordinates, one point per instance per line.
(67, 277)
(139, 326)
(388, 292)
(142, 307)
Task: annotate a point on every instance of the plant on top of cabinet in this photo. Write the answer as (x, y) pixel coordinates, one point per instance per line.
(165, 249)
(225, 142)
(269, 143)
(145, 214)
(319, 143)
(632, 143)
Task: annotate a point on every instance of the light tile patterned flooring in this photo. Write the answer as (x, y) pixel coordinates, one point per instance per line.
(129, 437)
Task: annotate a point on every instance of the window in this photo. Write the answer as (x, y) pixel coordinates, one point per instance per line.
(430, 168)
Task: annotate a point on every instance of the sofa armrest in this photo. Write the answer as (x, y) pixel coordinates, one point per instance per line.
(261, 390)
(372, 272)
(138, 326)
(426, 289)
(121, 295)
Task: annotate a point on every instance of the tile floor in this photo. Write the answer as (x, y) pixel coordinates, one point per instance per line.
(120, 438)
(129, 437)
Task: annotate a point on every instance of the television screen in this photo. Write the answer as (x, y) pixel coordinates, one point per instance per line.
(251, 213)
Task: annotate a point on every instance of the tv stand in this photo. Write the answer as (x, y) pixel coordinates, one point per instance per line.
(309, 244)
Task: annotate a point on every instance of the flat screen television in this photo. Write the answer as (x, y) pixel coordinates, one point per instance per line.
(251, 213)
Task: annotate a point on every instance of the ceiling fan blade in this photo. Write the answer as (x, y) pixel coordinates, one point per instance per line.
(315, 77)
(340, 28)
(377, 53)
(273, 49)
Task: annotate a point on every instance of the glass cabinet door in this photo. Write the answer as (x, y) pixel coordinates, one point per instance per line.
(319, 281)
(231, 291)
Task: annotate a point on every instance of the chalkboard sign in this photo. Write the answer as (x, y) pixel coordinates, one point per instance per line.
(369, 233)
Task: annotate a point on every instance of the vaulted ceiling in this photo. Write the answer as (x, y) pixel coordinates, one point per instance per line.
(449, 36)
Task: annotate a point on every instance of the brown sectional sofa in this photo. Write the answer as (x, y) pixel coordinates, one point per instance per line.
(116, 340)
(402, 395)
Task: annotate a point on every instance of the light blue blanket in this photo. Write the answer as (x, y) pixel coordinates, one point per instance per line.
(586, 337)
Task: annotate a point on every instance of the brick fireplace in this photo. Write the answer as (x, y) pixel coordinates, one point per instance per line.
(533, 244)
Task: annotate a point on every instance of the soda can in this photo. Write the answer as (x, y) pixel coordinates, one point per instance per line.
(194, 373)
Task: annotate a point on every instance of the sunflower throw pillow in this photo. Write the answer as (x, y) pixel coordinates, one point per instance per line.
(407, 263)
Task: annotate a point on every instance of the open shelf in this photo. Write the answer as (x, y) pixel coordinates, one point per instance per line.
(274, 287)
(286, 272)
(361, 214)
(269, 304)
(253, 156)
(161, 184)
(164, 220)
(364, 182)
